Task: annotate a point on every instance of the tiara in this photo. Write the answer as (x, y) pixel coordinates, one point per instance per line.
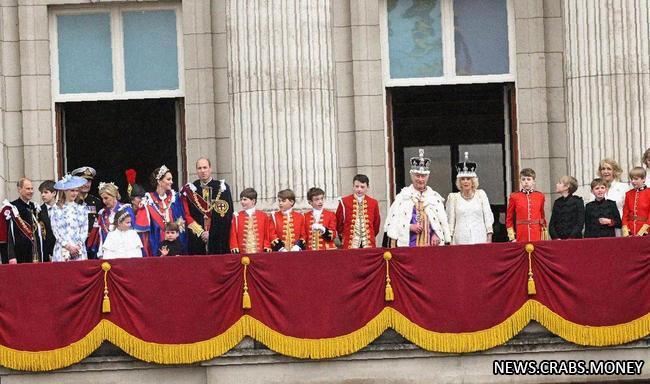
(103, 185)
(161, 172)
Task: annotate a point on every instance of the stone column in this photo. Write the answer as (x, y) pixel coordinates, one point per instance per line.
(281, 96)
(607, 45)
(11, 162)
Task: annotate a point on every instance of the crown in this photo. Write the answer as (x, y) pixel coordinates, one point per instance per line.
(466, 168)
(420, 164)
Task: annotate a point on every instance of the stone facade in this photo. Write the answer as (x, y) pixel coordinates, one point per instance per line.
(582, 71)
(607, 45)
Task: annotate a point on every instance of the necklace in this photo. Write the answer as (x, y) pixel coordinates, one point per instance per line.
(470, 197)
(165, 207)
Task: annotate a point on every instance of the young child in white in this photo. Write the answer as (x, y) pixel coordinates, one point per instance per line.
(123, 241)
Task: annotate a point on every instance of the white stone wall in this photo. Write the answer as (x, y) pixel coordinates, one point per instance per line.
(281, 95)
(607, 67)
(540, 91)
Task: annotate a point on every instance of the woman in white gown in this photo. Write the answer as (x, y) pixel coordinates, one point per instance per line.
(469, 213)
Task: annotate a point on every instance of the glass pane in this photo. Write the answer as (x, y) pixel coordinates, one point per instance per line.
(490, 169)
(481, 33)
(440, 176)
(414, 38)
(150, 50)
(85, 54)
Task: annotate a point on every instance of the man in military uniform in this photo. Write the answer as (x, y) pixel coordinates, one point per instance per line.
(23, 232)
(93, 205)
(208, 212)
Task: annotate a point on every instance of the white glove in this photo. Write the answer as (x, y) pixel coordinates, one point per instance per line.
(283, 249)
(295, 248)
(318, 227)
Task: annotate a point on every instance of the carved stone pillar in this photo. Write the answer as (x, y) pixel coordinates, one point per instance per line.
(607, 44)
(281, 96)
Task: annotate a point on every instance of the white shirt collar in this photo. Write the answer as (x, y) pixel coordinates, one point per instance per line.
(206, 183)
(250, 211)
(287, 212)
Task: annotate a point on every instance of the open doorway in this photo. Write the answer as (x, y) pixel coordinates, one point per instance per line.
(447, 121)
(112, 136)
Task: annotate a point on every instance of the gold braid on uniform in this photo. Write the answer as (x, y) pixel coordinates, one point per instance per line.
(195, 227)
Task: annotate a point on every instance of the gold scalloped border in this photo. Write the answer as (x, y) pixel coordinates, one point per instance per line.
(328, 347)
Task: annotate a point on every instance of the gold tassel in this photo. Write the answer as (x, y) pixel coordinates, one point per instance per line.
(390, 296)
(106, 303)
(531, 286)
(246, 299)
(531, 282)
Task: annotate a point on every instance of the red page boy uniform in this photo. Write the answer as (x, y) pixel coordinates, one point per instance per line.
(636, 212)
(525, 216)
(290, 230)
(358, 221)
(252, 231)
(320, 236)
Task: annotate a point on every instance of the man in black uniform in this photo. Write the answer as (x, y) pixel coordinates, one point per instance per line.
(93, 205)
(208, 212)
(24, 235)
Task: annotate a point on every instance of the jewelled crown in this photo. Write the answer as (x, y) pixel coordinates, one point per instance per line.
(466, 168)
(420, 164)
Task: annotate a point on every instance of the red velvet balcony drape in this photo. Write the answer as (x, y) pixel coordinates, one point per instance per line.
(324, 304)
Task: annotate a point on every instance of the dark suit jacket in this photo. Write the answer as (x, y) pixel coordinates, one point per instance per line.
(49, 240)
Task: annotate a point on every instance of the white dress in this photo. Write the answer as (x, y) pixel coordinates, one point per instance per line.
(121, 245)
(69, 226)
(616, 193)
(469, 220)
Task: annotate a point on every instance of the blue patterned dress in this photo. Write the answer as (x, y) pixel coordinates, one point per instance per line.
(69, 226)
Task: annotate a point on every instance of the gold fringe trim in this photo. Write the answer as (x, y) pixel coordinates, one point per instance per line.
(328, 347)
(588, 335)
(55, 358)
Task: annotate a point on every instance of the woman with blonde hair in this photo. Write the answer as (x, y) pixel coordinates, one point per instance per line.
(110, 195)
(69, 221)
(468, 210)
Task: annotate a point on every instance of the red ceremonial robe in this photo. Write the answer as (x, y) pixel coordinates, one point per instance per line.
(525, 216)
(346, 220)
(317, 241)
(290, 228)
(252, 234)
(636, 212)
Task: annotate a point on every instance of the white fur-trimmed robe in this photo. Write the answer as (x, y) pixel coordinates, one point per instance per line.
(401, 211)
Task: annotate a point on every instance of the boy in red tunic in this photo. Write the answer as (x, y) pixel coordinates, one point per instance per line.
(289, 224)
(357, 216)
(636, 209)
(525, 216)
(252, 231)
(320, 224)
